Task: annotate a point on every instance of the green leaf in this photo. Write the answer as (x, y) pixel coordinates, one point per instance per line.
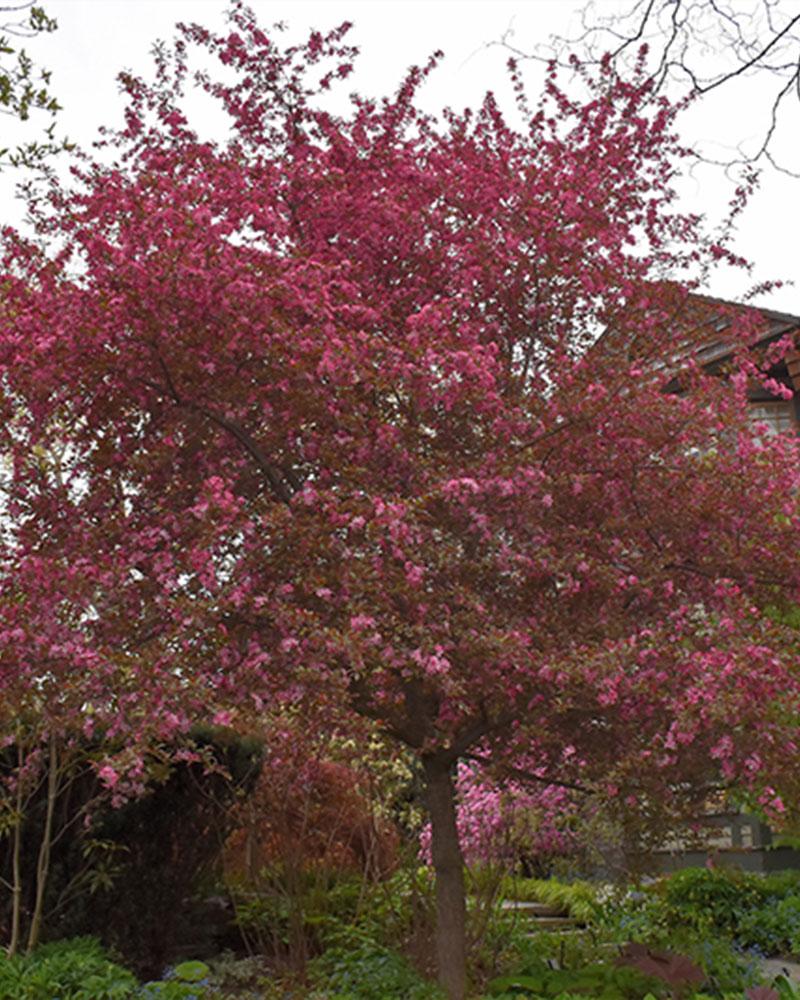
(506, 984)
(192, 971)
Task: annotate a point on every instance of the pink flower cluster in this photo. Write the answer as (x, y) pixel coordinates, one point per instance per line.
(509, 823)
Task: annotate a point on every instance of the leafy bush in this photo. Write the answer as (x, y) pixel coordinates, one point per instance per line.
(285, 914)
(700, 905)
(695, 913)
(77, 969)
(606, 981)
(782, 883)
(400, 913)
(773, 928)
(234, 976)
(711, 899)
(728, 967)
(359, 968)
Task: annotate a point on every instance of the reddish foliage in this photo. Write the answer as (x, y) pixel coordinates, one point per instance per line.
(315, 815)
(679, 972)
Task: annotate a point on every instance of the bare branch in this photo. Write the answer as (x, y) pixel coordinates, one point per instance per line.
(523, 775)
(695, 47)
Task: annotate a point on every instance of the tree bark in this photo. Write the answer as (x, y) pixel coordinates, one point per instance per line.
(16, 876)
(43, 861)
(448, 866)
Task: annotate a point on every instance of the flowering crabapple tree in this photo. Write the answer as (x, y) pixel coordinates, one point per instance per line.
(337, 425)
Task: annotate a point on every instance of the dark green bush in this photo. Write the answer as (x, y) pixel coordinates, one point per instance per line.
(169, 841)
(137, 864)
(358, 968)
(605, 981)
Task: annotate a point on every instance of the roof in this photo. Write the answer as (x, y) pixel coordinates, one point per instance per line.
(775, 325)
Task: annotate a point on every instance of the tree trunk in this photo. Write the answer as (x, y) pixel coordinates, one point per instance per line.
(16, 876)
(448, 866)
(43, 861)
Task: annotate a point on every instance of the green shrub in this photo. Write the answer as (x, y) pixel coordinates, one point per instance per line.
(398, 913)
(711, 899)
(783, 883)
(316, 899)
(728, 969)
(635, 916)
(246, 977)
(695, 912)
(773, 928)
(608, 982)
(358, 968)
(76, 969)
(701, 905)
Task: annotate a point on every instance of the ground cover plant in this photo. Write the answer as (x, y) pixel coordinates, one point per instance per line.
(318, 416)
(75, 969)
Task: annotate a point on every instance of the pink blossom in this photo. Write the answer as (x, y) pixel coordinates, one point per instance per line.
(108, 776)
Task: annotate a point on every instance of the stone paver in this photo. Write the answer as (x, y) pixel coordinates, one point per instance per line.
(778, 967)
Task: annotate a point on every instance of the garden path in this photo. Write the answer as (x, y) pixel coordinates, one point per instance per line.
(778, 967)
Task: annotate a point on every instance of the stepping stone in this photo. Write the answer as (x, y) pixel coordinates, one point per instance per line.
(533, 909)
(772, 967)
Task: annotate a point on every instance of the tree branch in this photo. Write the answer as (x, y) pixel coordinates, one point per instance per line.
(524, 775)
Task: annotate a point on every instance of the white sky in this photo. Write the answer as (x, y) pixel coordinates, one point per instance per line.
(97, 38)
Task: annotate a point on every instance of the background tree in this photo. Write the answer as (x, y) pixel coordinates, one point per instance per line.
(694, 48)
(338, 426)
(23, 88)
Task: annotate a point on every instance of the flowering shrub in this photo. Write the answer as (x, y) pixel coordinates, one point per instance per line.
(510, 822)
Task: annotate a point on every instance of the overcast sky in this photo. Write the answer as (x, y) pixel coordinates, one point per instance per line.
(98, 38)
